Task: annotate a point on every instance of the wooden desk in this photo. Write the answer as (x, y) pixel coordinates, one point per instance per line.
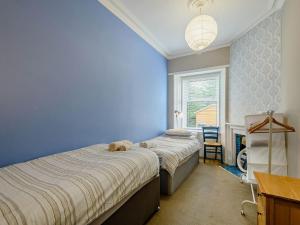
(278, 200)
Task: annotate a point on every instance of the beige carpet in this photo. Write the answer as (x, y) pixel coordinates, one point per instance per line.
(209, 196)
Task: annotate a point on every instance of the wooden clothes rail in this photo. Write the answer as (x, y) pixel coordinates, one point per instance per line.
(261, 128)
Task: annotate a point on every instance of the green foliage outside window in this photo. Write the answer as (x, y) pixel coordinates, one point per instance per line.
(201, 93)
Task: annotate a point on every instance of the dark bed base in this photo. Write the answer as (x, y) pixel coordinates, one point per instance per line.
(139, 208)
(169, 184)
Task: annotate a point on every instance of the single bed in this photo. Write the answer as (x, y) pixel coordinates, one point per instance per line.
(178, 156)
(86, 186)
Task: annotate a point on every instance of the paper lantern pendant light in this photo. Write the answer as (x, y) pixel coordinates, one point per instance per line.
(201, 31)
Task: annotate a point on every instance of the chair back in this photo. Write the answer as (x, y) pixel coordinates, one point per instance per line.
(210, 133)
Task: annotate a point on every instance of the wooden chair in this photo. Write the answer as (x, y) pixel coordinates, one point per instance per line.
(211, 142)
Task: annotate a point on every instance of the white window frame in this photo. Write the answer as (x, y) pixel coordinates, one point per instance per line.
(178, 89)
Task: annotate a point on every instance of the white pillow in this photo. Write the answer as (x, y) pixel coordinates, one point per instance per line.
(178, 132)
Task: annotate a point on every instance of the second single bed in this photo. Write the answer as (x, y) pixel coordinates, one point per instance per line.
(178, 156)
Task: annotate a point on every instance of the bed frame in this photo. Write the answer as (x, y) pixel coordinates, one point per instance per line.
(137, 209)
(169, 184)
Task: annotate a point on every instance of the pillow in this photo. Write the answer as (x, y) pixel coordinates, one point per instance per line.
(178, 132)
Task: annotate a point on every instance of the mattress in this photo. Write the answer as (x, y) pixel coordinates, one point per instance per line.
(74, 187)
(173, 151)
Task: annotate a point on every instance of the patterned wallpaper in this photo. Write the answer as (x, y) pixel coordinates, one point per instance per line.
(255, 80)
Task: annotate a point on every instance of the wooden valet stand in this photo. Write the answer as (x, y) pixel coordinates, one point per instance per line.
(266, 126)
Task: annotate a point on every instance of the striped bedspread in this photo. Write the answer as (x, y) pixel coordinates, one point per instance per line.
(172, 151)
(73, 187)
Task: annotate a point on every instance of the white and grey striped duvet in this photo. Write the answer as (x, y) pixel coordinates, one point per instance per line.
(173, 151)
(74, 187)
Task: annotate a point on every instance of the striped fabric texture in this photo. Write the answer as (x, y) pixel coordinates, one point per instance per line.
(172, 150)
(74, 187)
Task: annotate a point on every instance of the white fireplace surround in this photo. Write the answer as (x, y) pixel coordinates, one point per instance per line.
(230, 143)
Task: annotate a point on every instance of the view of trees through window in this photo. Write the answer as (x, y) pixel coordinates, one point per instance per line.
(201, 102)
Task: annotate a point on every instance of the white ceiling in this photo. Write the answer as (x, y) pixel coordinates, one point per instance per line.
(162, 23)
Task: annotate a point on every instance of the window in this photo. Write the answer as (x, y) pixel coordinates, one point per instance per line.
(198, 98)
(200, 101)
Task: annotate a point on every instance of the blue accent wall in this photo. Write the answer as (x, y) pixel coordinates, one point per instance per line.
(72, 75)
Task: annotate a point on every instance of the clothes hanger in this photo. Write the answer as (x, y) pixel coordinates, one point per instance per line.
(258, 128)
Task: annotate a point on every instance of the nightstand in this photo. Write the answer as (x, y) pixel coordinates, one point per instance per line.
(278, 200)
